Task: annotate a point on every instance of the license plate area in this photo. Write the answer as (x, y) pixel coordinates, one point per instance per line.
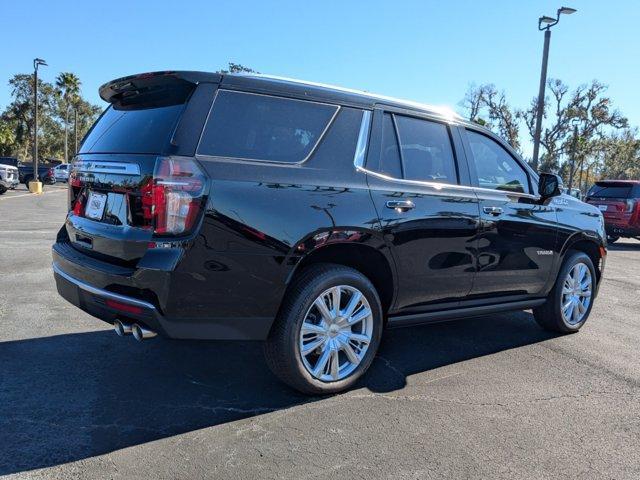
(95, 205)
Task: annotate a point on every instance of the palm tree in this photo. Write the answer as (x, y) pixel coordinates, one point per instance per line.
(68, 85)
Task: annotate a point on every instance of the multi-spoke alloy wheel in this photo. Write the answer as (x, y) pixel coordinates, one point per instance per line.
(569, 302)
(327, 331)
(576, 293)
(335, 333)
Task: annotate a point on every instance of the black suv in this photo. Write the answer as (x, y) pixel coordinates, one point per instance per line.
(206, 206)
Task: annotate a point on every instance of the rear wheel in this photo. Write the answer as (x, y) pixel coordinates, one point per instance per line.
(2, 189)
(327, 332)
(570, 301)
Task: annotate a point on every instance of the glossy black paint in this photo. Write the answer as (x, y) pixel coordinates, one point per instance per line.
(263, 221)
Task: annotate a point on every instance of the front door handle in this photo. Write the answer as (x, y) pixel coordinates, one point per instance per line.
(495, 211)
(400, 205)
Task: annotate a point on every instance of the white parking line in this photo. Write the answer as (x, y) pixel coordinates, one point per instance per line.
(26, 194)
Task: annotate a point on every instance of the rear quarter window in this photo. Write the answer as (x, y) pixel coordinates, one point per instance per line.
(262, 127)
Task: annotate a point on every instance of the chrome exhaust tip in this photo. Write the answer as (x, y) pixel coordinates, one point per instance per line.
(141, 333)
(121, 328)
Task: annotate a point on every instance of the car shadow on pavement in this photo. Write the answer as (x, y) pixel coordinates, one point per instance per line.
(70, 397)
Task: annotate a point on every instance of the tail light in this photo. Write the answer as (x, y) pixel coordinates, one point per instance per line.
(51, 174)
(172, 199)
(630, 205)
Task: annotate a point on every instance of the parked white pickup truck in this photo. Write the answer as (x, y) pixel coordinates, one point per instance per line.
(8, 178)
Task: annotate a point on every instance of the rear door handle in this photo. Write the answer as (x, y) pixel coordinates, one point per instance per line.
(400, 205)
(495, 211)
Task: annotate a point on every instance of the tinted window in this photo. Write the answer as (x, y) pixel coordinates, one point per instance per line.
(261, 127)
(145, 130)
(427, 154)
(495, 167)
(390, 154)
(611, 191)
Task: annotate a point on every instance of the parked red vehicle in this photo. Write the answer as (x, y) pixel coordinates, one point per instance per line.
(619, 202)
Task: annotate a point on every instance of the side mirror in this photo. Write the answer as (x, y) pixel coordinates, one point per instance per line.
(549, 185)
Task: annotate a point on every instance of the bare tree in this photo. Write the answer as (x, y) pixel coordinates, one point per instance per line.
(486, 106)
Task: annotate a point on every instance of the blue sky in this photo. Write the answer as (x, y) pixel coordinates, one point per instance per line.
(428, 51)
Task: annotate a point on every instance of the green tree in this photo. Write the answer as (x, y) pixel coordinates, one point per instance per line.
(68, 85)
(16, 121)
(237, 68)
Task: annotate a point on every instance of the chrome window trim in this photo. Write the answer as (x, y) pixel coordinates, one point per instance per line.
(363, 139)
(121, 168)
(100, 292)
(203, 156)
(358, 163)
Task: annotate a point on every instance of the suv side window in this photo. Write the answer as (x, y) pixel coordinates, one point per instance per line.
(262, 127)
(426, 151)
(495, 167)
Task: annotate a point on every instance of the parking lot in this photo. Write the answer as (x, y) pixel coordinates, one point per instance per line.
(492, 397)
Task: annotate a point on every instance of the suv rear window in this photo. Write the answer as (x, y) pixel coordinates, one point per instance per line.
(262, 127)
(132, 130)
(610, 191)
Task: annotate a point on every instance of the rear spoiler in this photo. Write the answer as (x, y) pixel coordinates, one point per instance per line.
(154, 88)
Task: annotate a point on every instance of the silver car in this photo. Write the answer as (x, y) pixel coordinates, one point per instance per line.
(61, 172)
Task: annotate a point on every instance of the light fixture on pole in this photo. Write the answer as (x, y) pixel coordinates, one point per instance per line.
(545, 23)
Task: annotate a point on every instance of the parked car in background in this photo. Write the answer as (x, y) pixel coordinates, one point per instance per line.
(207, 206)
(61, 172)
(9, 176)
(575, 192)
(619, 202)
(45, 173)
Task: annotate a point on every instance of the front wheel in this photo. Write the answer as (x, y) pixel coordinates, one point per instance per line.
(570, 301)
(327, 331)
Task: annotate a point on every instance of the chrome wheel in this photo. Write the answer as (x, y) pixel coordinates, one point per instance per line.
(576, 294)
(335, 333)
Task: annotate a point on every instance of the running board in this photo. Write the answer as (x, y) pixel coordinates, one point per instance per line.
(455, 313)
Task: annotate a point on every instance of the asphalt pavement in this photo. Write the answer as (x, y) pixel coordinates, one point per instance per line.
(492, 397)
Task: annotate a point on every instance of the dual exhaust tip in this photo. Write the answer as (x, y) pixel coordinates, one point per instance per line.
(139, 332)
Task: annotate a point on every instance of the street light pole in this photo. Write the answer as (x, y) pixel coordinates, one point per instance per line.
(75, 130)
(574, 151)
(36, 63)
(540, 109)
(549, 22)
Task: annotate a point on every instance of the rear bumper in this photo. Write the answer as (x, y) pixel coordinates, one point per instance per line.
(622, 230)
(96, 287)
(9, 183)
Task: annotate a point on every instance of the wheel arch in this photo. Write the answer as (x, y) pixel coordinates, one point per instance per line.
(594, 248)
(374, 263)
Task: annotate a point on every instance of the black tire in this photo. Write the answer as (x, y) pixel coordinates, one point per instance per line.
(549, 315)
(2, 189)
(282, 350)
(612, 239)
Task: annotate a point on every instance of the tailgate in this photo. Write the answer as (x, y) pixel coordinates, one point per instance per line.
(106, 217)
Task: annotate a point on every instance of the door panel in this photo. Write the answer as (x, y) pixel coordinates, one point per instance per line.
(516, 247)
(429, 222)
(517, 235)
(433, 243)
